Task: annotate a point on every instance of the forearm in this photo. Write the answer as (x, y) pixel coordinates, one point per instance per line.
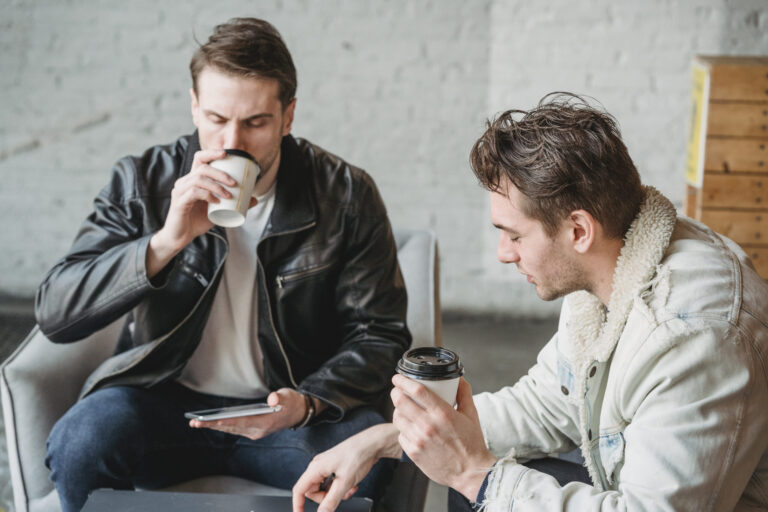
(384, 439)
(85, 292)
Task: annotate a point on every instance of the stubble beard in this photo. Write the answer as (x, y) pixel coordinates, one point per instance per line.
(567, 278)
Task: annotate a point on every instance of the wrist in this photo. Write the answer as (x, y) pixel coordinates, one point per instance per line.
(159, 254)
(309, 412)
(387, 444)
(165, 244)
(471, 479)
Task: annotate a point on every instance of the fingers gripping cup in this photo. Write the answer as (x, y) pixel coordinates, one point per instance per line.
(439, 369)
(230, 212)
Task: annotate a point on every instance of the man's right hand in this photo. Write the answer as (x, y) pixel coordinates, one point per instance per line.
(349, 461)
(188, 214)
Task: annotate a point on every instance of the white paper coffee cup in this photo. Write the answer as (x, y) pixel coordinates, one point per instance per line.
(437, 368)
(230, 212)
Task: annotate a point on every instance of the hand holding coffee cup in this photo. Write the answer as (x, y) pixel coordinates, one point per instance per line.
(436, 368)
(230, 212)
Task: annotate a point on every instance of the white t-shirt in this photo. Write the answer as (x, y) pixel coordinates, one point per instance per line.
(228, 360)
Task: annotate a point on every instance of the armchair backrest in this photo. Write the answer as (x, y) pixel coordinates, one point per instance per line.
(419, 263)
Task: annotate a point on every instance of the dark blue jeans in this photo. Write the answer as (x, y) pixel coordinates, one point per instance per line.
(125, 437)
(564, 471)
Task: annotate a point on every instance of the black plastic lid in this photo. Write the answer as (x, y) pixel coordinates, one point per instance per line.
(430, 363)
(240, 152)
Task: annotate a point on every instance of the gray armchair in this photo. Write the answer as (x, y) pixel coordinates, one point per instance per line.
(41, 381)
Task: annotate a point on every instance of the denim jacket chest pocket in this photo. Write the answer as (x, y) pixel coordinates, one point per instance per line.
(566, 378)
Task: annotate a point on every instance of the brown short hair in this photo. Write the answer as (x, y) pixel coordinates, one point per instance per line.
(563, 155)
(248, 47)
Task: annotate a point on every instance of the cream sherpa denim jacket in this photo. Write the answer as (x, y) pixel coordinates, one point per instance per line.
(665, 392)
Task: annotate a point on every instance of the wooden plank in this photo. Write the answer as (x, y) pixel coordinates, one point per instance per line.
(690, 202)
(736, 77)
(738, 82)
(729, 154)
(759, 257)
(720, 190)
(737, 119)
(743, 227)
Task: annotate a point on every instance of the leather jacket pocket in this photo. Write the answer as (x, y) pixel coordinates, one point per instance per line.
(306, 311)
(190, 271)
(186, 283)
(289, 278)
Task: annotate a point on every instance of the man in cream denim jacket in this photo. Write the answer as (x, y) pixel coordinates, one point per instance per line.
(665, 393)
(657, 371)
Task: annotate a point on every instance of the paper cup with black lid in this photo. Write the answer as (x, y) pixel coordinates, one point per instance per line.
(437, 368)
(230, 212)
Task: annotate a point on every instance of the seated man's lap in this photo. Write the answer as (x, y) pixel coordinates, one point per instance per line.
(133, 434)
(141, 435)
(281, 458)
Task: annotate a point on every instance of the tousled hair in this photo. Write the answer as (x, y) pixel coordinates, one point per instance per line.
(563, 155)
(247, 47)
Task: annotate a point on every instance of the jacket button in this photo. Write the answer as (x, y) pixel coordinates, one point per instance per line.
(564, 390)
(593, 371)
(589, 434)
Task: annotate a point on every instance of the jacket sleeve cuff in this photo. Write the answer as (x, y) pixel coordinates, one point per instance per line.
(161, 279)
(481, 493)
(503, 482)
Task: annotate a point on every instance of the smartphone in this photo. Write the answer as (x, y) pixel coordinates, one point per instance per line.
(232, 412)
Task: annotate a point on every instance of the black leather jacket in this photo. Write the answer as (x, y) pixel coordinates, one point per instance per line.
(331, 299)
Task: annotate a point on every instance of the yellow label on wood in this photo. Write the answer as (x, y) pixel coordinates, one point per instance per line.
(694, 170)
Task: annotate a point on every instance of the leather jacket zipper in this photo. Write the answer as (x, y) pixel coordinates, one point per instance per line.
(269, 302)
(200, 278)
(282, 279)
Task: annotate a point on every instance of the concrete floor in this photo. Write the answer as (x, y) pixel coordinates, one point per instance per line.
(495, 353)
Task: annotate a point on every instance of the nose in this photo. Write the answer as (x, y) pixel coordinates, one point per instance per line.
(506, 251)
(233, 136)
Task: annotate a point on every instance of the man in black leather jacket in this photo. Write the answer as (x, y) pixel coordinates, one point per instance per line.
(316, 275)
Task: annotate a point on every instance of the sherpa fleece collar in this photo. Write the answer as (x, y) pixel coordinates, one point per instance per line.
(594, 334)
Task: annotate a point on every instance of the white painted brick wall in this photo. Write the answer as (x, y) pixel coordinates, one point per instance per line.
(400, 88)
(634, 58)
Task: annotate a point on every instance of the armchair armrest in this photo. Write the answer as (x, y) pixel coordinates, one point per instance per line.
(39, 382)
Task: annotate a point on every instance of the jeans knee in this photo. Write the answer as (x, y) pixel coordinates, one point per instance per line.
(89, 434)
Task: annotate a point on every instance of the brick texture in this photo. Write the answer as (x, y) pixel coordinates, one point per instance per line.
(400, 88)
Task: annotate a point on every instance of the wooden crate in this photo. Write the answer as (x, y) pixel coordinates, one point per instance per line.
(727, 169)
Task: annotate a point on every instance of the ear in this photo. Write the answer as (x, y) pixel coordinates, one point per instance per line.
(288, 117)
(582, 230)
(194, 107)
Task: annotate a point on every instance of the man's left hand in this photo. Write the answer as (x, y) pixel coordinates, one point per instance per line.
(294, 407)
(446, 444)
